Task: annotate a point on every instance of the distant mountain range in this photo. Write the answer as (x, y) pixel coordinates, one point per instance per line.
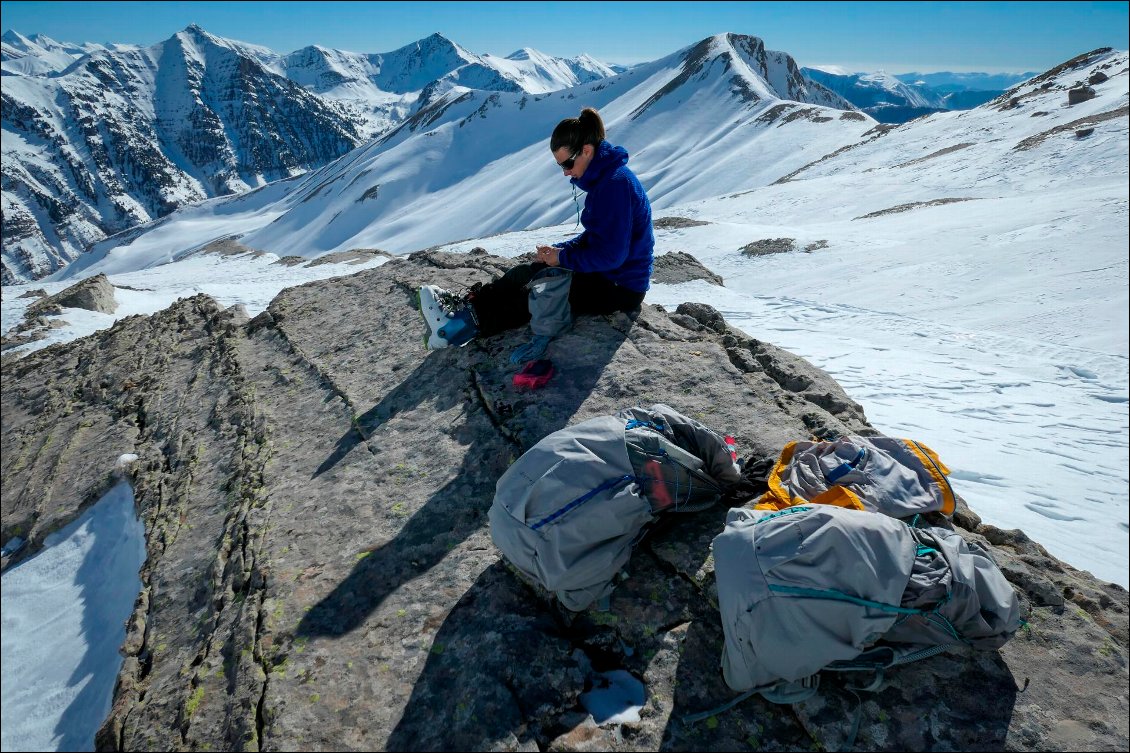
(380, 90)
(721, 116)
(898, 98)
(99, 139)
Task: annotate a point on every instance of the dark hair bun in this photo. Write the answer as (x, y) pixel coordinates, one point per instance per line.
(591, 126)
(574, 133)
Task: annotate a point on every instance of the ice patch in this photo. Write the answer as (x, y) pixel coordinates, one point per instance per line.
(63, 614)
(617, 697)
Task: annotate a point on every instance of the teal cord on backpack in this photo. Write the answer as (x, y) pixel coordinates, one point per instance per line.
(920, 591)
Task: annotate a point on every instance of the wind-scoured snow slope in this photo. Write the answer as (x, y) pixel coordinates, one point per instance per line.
(122, 137)
(966, 281)
(723, 115)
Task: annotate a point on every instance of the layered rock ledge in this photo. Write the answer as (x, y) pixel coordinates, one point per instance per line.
(320, 575)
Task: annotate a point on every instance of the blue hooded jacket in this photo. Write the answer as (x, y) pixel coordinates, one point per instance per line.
(618, 240)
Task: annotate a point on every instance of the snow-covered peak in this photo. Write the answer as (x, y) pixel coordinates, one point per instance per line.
(414, 66)
(45, 42)
(194, 38)
(538, 73)
(16, 41)
(439, 41)
(39, 55)
(382, 89)
(586, 62)
(742, 65)
(559, 73)
(194, 35)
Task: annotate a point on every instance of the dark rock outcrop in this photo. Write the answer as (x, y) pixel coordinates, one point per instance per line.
(676, 223)
(767, 246)
(93, 294)
(320, 575)
(1079, 95)
(678, 266)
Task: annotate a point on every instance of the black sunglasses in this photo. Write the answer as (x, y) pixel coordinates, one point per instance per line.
(568, 164)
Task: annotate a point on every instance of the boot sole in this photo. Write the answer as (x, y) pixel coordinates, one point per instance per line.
(427, 327)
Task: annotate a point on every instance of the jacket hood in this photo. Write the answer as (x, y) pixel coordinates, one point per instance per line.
(608, 158)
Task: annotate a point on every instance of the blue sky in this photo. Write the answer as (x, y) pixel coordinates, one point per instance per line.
(897, 37)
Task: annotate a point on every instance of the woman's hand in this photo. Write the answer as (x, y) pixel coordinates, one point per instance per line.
(549, 255)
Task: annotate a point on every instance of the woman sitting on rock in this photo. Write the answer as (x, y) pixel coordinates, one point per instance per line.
(610, 261)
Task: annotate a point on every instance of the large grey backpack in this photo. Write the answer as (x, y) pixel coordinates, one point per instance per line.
(567, 513)
(816, 587)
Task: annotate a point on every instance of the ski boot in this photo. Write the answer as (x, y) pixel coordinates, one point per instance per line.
(450, 319)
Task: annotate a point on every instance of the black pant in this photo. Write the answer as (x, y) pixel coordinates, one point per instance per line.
(502, 304)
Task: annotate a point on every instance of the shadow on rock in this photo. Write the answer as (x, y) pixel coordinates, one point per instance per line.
(498, 662)
(497, 423)
(699, 686)
(948, 702)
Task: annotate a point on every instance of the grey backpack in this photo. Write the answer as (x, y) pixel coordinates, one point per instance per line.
(548, 301)
(567, 513)
(816, 587)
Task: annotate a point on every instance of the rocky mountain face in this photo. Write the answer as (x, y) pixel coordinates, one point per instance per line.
(380, 89)
(124, 137)
(778, 69)
(320, 575)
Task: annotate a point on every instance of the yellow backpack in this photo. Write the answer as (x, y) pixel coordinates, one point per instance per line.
(897, 477)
